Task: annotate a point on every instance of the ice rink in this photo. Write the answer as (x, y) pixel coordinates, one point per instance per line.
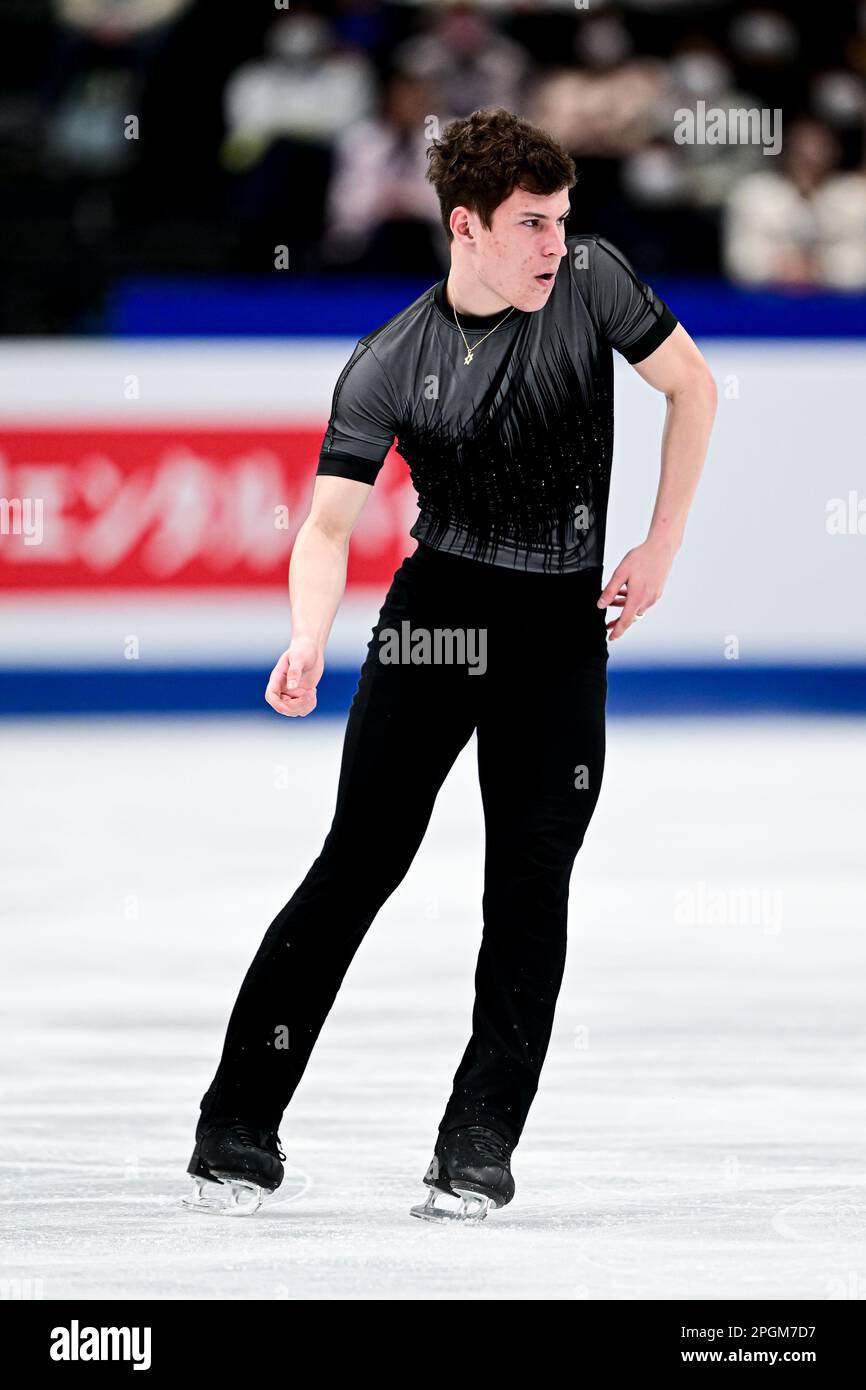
(700, 1128)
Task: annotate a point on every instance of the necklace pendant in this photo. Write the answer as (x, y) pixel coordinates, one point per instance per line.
(468, 358)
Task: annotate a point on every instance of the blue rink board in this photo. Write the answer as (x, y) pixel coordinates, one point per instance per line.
(635, 691)
(350, 306)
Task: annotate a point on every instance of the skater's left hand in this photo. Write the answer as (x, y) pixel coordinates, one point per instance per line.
(636, 584)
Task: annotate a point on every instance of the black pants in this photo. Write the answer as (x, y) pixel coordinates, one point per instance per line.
(533, 688)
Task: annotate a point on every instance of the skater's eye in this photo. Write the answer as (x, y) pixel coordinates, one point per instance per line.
(534, 221)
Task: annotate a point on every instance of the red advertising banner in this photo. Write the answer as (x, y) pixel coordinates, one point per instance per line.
(174, 507)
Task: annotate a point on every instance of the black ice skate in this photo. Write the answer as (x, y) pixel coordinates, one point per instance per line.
(472, 1165)
(233, 1167)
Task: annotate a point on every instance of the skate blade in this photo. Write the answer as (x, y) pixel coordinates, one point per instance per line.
(470, 1209)
(230, 1197)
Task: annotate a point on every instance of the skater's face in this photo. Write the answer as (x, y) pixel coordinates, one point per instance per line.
(518, 256)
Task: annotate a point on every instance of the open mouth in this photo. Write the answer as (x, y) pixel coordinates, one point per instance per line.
(546, 278)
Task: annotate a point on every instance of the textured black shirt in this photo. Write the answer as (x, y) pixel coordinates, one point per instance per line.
(510, 455)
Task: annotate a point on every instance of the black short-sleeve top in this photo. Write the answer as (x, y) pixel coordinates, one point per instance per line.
(510, 453)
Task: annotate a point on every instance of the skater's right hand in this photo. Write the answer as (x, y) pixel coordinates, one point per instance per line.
(291, 689)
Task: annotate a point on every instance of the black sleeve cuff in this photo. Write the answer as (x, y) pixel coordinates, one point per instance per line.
(653, 338)
(348, 466)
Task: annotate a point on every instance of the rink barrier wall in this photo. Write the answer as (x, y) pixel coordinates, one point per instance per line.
(763, 609)
(329, 306)
(682, 691)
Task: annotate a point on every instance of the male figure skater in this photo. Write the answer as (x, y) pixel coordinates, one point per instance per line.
(497, 385)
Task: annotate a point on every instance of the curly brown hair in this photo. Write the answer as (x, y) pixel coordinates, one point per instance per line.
(482, 158)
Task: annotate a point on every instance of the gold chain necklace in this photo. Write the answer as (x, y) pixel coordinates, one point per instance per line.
(470, 351)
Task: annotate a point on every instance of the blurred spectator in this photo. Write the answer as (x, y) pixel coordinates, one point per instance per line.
(264, 127)
(603, 113)
(96, 76)
(466, 63)
(382, 213)
(283, 113)
(838, 96)
(700, 71)
(600, 110)
(671, 194)
(304, 89)
(107, 21)
(804, 225)
(768, 53)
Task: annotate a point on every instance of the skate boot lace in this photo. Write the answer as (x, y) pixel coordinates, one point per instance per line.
(250, 1138)
(488, 1142)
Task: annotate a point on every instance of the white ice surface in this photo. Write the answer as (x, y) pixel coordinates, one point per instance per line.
(700, 1127)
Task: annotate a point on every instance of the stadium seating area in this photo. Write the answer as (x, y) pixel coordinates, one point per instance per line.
(191, 137)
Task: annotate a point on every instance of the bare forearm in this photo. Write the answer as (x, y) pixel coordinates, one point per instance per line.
(317, 581)
(686, 434)
(678, 369)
